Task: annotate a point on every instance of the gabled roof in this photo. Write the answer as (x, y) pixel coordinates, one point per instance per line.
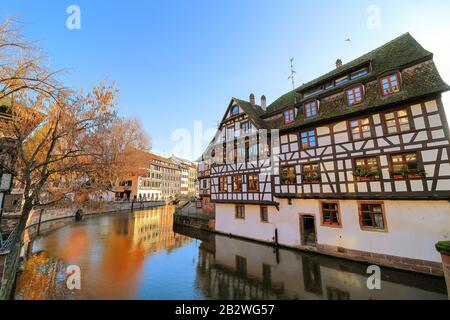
(254, 112)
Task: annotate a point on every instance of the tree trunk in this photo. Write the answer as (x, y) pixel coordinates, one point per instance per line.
(26, 210)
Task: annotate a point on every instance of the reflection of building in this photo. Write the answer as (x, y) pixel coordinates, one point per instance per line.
(238, 269)
(355, 162)
(153, 229)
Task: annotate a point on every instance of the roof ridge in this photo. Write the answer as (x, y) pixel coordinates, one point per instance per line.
(372, 51)
(404, 35)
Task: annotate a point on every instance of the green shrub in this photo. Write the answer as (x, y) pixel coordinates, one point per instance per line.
(443, 246)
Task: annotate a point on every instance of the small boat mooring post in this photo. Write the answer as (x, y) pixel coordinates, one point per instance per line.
(79, 215)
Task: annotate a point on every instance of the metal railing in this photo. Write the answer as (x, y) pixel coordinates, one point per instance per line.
(7, 244)
(11, 249)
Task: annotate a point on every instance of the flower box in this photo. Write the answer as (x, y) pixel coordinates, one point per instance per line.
(364, 178)
(408, 174)
(311, 181)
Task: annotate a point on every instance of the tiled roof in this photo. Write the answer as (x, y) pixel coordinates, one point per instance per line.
(417, 82)
(253, 111)
(394, 54)
(397, 53)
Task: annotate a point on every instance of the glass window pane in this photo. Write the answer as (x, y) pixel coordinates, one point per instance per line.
(379, 221)
(402, 113)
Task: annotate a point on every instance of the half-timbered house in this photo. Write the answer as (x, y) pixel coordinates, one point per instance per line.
(354, 163)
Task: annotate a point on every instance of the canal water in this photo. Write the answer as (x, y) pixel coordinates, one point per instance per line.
(139, 256)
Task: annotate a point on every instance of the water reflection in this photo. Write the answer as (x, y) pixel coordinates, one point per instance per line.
(139, 256)
(110, 250)
(245, 270)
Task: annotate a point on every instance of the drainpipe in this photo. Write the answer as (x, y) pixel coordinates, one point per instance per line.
(276, 236)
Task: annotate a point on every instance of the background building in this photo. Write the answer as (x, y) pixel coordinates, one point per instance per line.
(166, 179)
(188, 176)
(10, 199)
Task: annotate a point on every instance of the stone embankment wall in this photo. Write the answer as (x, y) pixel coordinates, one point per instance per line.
(194, 222)
(188, 215)
(89, 209)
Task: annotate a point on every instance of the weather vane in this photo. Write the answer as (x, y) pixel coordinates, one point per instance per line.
(292, 78)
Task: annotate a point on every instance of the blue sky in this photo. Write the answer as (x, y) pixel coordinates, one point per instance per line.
(177, 62)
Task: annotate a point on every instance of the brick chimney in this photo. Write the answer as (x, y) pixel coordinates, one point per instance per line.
(252, 99)
(263, 102)
(338, 63)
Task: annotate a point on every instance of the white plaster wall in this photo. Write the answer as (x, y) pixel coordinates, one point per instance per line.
(413, 226)
(251, 227)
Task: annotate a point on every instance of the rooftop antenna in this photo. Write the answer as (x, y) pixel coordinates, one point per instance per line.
(292, 78)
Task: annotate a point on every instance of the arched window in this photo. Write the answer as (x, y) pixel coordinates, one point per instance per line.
(234, 110)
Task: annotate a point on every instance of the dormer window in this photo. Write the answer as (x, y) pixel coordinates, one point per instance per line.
(341, 80)
(234, 110)
(311, 109)
(329, 85)
(354, 95)
(359, 73)
(312, 92)
(390, 84)
(289, 116)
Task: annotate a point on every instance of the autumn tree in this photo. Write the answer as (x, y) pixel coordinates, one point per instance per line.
(52, 140)
(121, 147)
(65, 141)
(22, 66)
